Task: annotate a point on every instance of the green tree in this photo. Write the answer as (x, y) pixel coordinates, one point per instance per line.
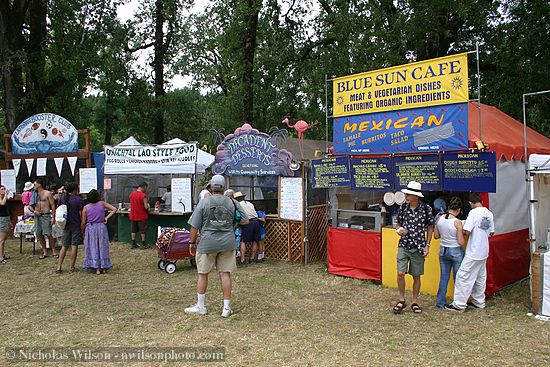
(516, 61)
(48, 53)
(158, 24)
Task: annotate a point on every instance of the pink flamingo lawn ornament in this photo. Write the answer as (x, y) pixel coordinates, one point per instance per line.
(301, 126)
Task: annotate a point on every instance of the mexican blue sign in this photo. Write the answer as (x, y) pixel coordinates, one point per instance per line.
(435, 128)
(44, 133)
(248, 152)
(371, 174)
(423, 168)
(469, 172)
(330, 172)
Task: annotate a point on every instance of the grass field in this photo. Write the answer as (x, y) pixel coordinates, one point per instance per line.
(285, 315)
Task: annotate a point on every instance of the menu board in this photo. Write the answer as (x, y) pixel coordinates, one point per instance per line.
(7, 177)
(330, 172)
(425, 169)
(371, 174)
(470, 172)
(291, 198)
(88, 179)
(181, 195)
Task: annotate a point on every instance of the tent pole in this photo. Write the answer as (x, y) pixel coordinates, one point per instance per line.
(478, 91)
(529, 176)
(326, 113)
(305, 211)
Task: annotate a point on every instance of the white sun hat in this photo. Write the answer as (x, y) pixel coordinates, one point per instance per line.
(413, 188)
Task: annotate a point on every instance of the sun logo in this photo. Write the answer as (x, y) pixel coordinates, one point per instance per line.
(340, 100)
(456, 83)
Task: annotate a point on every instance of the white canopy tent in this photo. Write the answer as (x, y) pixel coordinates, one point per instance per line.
(539, 214)
(204, 159)
(131, 162)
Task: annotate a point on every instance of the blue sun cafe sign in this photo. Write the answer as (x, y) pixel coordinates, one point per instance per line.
(44, 133)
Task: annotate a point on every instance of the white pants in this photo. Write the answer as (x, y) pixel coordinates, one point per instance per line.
(470, 280)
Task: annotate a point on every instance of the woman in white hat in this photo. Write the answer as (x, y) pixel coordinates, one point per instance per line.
(26, 199)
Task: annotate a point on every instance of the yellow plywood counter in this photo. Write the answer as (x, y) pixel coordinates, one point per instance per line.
(430, 279)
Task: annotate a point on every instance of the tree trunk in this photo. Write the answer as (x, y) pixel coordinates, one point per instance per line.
(109, 118)
(35, 98)
(158, 68)
(12, 46)
(252, 10)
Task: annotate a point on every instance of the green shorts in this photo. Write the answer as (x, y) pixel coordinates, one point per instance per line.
(43, 225)
(410, 261)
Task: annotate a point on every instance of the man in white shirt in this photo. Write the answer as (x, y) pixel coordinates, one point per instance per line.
(471, 278)
(167, 198)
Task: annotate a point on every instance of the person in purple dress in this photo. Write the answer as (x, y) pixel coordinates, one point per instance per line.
(96, 237)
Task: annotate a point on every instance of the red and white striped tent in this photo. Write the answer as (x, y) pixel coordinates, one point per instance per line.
(509, 254)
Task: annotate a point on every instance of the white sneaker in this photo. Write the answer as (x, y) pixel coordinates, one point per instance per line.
(201, 310)
(227, 312)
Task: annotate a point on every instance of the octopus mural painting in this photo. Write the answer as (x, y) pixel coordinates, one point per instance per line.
(249, 152)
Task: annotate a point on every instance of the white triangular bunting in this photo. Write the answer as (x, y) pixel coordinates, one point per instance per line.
(41, 166)
(58, 165)
(16, 165)
(29, 162)
(72, 163)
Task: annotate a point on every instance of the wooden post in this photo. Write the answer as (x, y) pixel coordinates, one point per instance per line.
(289, 238)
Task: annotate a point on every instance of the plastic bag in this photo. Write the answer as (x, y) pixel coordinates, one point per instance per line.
(61, 216)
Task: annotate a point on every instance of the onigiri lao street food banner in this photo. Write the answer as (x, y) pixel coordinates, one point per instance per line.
(249, 152)
(429, 129)
(44, 133)
(433, 82)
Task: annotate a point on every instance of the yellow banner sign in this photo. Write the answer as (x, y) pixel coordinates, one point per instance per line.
(420, 84)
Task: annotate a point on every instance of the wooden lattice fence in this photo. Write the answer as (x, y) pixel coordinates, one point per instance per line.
(285, 239)
(317, 231)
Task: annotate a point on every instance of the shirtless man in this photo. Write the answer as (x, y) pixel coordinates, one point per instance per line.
(44, 217)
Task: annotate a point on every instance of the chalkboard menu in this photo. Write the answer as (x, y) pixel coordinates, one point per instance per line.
(469, 172)
(371, 174)
(330, 172)
(425, 169)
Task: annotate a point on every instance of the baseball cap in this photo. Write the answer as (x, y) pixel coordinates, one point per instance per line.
(217, 182)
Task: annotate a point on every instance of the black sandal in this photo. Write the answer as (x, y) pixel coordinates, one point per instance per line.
(42, 257)
(416, 308)
(58, 271)
(399, 306)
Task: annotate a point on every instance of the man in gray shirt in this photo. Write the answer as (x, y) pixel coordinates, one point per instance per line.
(214, 217)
